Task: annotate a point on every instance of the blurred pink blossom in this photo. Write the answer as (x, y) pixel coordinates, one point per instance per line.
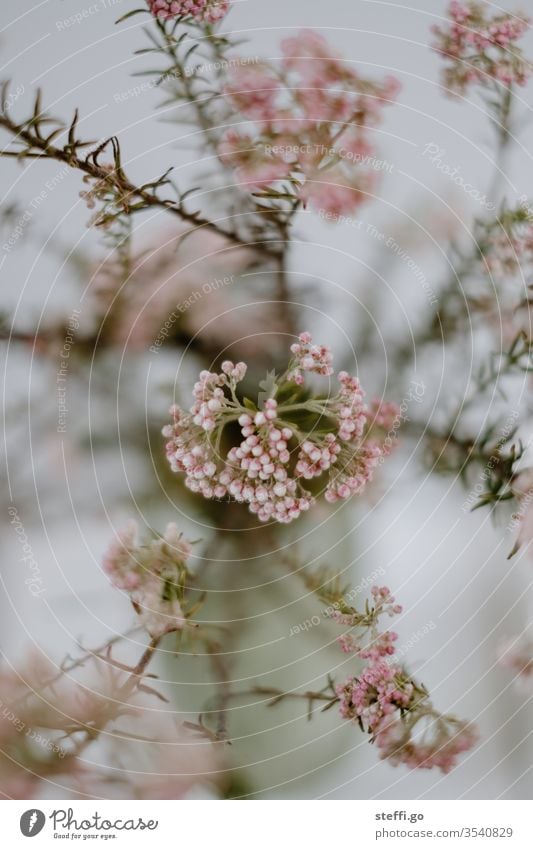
(180, 287)
(311, 120)
(203, 11)
(516, 654)
(479, 49)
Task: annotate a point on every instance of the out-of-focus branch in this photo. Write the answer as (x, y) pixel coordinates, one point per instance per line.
(37, 143)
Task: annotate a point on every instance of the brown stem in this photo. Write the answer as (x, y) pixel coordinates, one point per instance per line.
(91, 732)
(224, 691)
(283, 296)
(327, 694)
(144, 661)
(127, 189)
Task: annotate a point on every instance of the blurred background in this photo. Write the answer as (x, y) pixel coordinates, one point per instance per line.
(74, 480)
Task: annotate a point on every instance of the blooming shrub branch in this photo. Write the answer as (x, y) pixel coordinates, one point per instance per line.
(382, 698)
(155, 577)
(279, 136)
(310, 122)
(49, 719)
(387, 702)
(201, 11)
(291, 438)
(109, 184)
(480, 48)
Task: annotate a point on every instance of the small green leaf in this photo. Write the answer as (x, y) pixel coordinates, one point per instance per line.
(131, 14)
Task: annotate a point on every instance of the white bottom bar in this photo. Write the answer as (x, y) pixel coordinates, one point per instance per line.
(268, 824)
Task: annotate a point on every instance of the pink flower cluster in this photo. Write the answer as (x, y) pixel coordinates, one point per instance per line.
(367, 641)
(203, 11)
(479, 48)
(311, 119)
(41, 711)
(436, 744)
(153, 575)
(316, 359)
(386, 702)
(381, 646)
(376, 693)
(48, 718)
(102, 191)
(283, 443)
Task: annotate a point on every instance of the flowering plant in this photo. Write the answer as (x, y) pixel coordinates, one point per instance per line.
(480, 49)
(310, 126)
(276, 455)
(293, 438)
(385, 700)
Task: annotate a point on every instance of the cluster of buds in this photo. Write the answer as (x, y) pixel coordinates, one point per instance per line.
(364, 637)
(201, 11)
(153, 575)
(311, 116)
(387, 702)
(480, 48)
(105, 193)
(310, 358)
(288, 438)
